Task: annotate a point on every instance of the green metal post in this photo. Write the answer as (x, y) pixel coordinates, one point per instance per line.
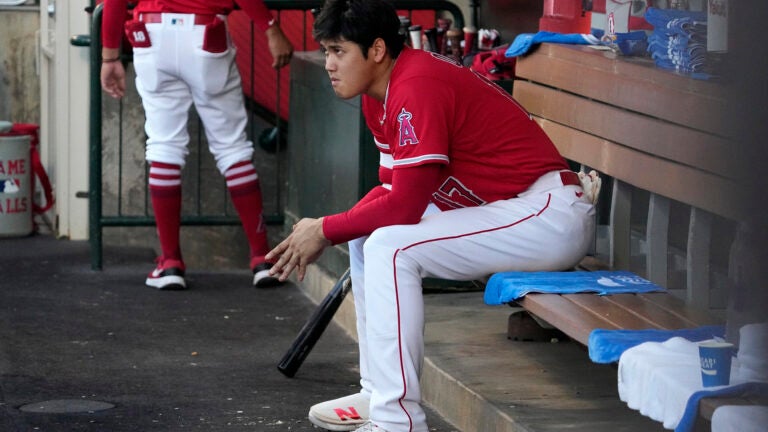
(94, 191)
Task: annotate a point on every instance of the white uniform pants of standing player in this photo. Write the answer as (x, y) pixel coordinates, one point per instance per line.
(175, 72)
(547, 228)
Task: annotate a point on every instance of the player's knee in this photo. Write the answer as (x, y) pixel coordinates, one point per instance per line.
(385, 238)
(386, 246)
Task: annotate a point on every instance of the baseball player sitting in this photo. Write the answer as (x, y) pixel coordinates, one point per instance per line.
(471, 185)
(182, 55)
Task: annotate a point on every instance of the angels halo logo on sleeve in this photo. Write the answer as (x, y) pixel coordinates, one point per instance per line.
(407, 132)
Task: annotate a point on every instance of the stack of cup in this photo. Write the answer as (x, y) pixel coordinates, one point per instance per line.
(415, 34)
(470, 40)
(454, 37)
(443, 25)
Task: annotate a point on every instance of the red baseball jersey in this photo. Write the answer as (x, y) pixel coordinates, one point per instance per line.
(437, 111)
(485, 146)
(114, 13)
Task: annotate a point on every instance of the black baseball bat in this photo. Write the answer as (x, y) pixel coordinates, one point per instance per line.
(314, 327)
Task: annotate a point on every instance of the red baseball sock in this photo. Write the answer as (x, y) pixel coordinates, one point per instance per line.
(244, 188)
(165, 191)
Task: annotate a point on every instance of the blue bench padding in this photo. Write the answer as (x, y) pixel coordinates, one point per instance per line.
(606, 346)
(506, 287)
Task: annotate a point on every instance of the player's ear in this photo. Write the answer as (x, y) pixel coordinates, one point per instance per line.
(379, 50)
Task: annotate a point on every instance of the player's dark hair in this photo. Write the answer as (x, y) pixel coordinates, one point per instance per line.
(361, 22)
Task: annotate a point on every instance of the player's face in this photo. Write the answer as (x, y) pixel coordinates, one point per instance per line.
(351, 74)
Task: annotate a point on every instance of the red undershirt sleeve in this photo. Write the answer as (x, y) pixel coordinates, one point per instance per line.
(411, 191)
(113, 22)
(258, 13)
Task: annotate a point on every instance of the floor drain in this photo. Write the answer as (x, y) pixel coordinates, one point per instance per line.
(63, 406)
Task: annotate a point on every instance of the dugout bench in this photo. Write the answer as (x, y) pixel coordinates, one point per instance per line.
(669, 203)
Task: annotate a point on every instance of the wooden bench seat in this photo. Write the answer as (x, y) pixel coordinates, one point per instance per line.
(577, 315)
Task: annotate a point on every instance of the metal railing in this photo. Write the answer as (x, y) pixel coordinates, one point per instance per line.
(125, 209)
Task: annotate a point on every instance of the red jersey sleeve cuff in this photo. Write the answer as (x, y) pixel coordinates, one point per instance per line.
(333, 228)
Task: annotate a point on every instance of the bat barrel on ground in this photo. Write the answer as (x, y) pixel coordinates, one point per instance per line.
(314, 327)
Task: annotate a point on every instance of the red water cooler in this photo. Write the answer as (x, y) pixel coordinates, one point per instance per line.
(564, 16)
(20, 168)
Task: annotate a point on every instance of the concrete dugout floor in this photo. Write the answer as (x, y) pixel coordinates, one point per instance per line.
(203, 359)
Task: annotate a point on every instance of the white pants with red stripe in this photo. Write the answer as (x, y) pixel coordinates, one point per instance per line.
(547, 228)
(175, 72)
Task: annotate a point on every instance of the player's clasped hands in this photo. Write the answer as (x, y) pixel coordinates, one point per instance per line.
(301, 248)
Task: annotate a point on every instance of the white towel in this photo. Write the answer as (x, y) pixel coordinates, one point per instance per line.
(658, 378)
(752, 357)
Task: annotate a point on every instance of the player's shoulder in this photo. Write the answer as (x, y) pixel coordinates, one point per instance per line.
(417, 62)
(422, 70)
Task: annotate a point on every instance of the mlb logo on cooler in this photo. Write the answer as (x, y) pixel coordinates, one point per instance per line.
(9, 186)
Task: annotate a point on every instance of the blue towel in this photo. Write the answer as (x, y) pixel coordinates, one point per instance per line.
(510, 286)
(524, 41)
(606, 346)
(678, 41)
(692, 406)
(658, 17)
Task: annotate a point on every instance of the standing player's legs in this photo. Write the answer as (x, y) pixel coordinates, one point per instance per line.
(543, 231)
(218, 98)
(166, 101)
(165, 194)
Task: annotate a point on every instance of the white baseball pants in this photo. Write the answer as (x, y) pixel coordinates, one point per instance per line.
(547, 228)
(175, 72)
